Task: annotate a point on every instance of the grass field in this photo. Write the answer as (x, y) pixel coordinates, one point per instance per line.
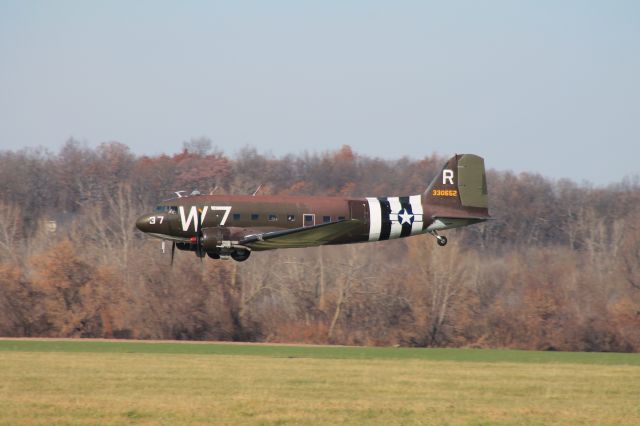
(97, 382)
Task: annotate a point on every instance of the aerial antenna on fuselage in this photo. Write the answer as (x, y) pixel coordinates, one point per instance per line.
(179, 193)
(256, 191)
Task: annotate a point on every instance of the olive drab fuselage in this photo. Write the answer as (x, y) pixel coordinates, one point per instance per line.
(235, 225)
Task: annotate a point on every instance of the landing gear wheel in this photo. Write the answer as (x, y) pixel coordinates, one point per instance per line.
(213, 255)
(442, 240)
(240, 255)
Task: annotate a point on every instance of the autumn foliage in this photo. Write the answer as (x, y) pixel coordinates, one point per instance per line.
(559, 268)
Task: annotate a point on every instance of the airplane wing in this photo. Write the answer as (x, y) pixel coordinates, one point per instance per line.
(301, 237)
(170, 238)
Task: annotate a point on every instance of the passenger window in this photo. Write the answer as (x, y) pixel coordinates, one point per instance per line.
(255, 216)
(236, 216)
(291, 218)
(326, 219)
(272, 217)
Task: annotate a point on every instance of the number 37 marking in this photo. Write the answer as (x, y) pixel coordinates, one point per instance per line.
(152, 220)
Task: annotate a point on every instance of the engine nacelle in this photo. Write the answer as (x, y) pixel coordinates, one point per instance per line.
(211, 239)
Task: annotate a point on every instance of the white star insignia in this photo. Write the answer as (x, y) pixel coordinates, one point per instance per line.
(405, 217)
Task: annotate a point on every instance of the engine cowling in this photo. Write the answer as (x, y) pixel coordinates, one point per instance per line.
(211, 239)
(209, 242)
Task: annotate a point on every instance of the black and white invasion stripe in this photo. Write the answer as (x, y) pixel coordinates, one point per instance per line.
(394, 217)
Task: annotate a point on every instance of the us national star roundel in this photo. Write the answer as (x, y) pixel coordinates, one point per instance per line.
(405, 216)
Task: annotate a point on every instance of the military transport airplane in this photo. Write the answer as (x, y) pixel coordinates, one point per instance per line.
(223, 226)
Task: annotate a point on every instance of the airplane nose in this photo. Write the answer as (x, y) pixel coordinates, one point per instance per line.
(142, 223)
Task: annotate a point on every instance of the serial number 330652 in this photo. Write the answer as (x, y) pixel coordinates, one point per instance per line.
(444, 193)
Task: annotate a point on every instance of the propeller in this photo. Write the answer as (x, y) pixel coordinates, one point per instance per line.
(173, 250)
(199, 224)
(197, 240)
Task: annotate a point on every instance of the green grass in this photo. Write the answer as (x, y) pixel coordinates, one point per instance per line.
(320, 352)
(94, 382)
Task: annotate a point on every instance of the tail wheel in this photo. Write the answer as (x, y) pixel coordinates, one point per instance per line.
(240, 255)
(442, 240)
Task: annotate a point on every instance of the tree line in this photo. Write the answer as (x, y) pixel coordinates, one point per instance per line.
(559, 268)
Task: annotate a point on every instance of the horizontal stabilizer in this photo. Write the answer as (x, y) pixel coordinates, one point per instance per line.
(477, 218)
(449, 222)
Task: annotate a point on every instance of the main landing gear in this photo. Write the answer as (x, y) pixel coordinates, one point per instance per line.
(237, 255)
(441, 239)
(240, 255)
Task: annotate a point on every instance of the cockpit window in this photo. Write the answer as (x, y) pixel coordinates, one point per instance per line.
(167, 209)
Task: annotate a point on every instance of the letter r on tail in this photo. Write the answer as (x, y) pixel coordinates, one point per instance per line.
(447, 175)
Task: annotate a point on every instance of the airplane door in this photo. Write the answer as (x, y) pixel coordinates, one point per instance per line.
(308, 219)
(359, 210)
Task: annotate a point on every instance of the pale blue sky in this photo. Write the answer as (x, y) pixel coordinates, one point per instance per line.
(545, 86)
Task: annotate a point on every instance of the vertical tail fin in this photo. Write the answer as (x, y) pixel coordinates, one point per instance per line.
(461, 185)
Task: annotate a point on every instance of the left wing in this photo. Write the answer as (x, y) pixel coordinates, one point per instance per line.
(301, 237)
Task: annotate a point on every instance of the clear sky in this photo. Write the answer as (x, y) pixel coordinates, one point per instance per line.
(544, 86)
